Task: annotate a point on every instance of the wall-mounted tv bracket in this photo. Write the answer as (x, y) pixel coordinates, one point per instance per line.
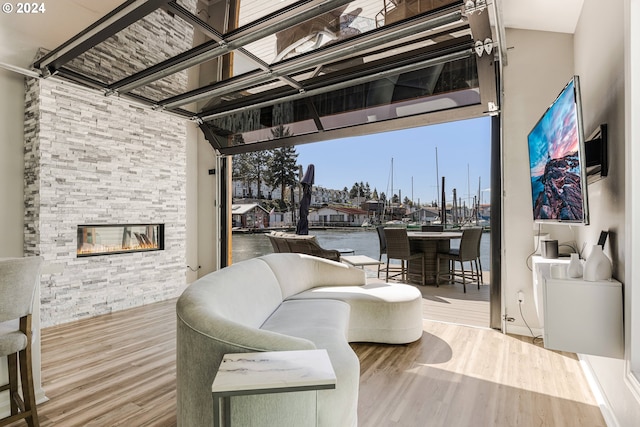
(596, 153)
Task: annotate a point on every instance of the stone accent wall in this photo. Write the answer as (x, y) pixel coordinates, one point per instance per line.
(91, 159)
(96, 160)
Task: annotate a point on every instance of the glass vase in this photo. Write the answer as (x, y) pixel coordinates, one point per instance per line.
(574, 269)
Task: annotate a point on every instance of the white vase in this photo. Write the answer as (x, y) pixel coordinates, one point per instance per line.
(574, 269)
(597, 266)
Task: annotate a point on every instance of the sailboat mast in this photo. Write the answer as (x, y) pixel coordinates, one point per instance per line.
(478, 201)
(437, 174)
(468, 187)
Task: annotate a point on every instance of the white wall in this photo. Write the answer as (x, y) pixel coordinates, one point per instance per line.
(540, 64)
(11, 164)
(600, 62)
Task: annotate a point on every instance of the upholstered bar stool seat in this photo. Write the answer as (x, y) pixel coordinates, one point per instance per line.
(18, 283)
(12, 342)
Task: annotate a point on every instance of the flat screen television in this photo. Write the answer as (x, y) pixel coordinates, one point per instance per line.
(557, 161)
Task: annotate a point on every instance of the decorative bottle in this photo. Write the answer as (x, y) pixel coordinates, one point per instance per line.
(597, 266)
(574, 269)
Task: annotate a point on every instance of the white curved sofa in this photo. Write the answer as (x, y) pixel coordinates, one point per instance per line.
(286, 302)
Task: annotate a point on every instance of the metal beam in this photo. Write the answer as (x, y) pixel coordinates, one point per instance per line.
(290, 16)
(81, 79)
(118, 19)
(350, 47)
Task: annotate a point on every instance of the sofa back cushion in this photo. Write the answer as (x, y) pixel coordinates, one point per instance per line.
(298, 272)
(246, 293)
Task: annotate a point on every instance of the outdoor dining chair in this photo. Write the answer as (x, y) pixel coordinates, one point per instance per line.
(398, 247)
(469, 251)
(383, 245)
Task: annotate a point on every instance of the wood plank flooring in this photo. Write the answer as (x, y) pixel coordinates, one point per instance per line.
(119, 370)
(467, 376)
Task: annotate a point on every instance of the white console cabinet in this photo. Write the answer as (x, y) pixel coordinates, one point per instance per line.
(576, 315)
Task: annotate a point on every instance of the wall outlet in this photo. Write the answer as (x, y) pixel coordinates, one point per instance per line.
(520, 296)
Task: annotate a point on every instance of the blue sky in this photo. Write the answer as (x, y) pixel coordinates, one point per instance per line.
(462, 146)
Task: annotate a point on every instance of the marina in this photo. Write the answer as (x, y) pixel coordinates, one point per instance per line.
(363, 241)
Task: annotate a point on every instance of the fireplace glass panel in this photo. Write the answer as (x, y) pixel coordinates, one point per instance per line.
(117, 239)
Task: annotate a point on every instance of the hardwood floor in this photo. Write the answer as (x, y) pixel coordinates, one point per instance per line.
(119, 370)
(467, 376)
(112, 370)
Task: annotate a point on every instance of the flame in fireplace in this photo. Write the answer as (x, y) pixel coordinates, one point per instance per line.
(89, 249)
(117, 239)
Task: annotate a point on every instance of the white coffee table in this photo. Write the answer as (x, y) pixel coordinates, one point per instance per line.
(268, 372)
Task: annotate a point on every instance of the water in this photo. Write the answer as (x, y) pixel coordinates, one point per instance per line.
(362, 241)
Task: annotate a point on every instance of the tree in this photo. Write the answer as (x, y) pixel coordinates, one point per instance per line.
(282, 169)
(374, 196)
(258, 166)
(249, 168)
(240, 170)
(355, 189)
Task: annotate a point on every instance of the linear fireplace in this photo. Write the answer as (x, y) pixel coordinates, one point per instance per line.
(110, 239)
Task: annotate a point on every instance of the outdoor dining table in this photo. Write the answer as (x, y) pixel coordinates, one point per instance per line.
(430, 243)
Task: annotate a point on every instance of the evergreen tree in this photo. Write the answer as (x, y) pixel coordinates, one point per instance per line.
(258, 164)
(355, 189)
(282, 170)
(240, 169)
(374, 196)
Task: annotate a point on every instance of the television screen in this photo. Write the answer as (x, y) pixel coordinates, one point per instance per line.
(556, 160)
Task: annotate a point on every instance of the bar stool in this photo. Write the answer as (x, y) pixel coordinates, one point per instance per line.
(18, 282)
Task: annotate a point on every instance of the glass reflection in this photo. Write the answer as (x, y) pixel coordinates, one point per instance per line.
(342, 23)
(450, 85)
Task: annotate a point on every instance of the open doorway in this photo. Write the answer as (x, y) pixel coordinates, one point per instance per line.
(396, 178)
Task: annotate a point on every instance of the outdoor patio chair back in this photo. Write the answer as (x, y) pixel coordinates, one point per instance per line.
(382, 243)
(469, 251)
(398, 247)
